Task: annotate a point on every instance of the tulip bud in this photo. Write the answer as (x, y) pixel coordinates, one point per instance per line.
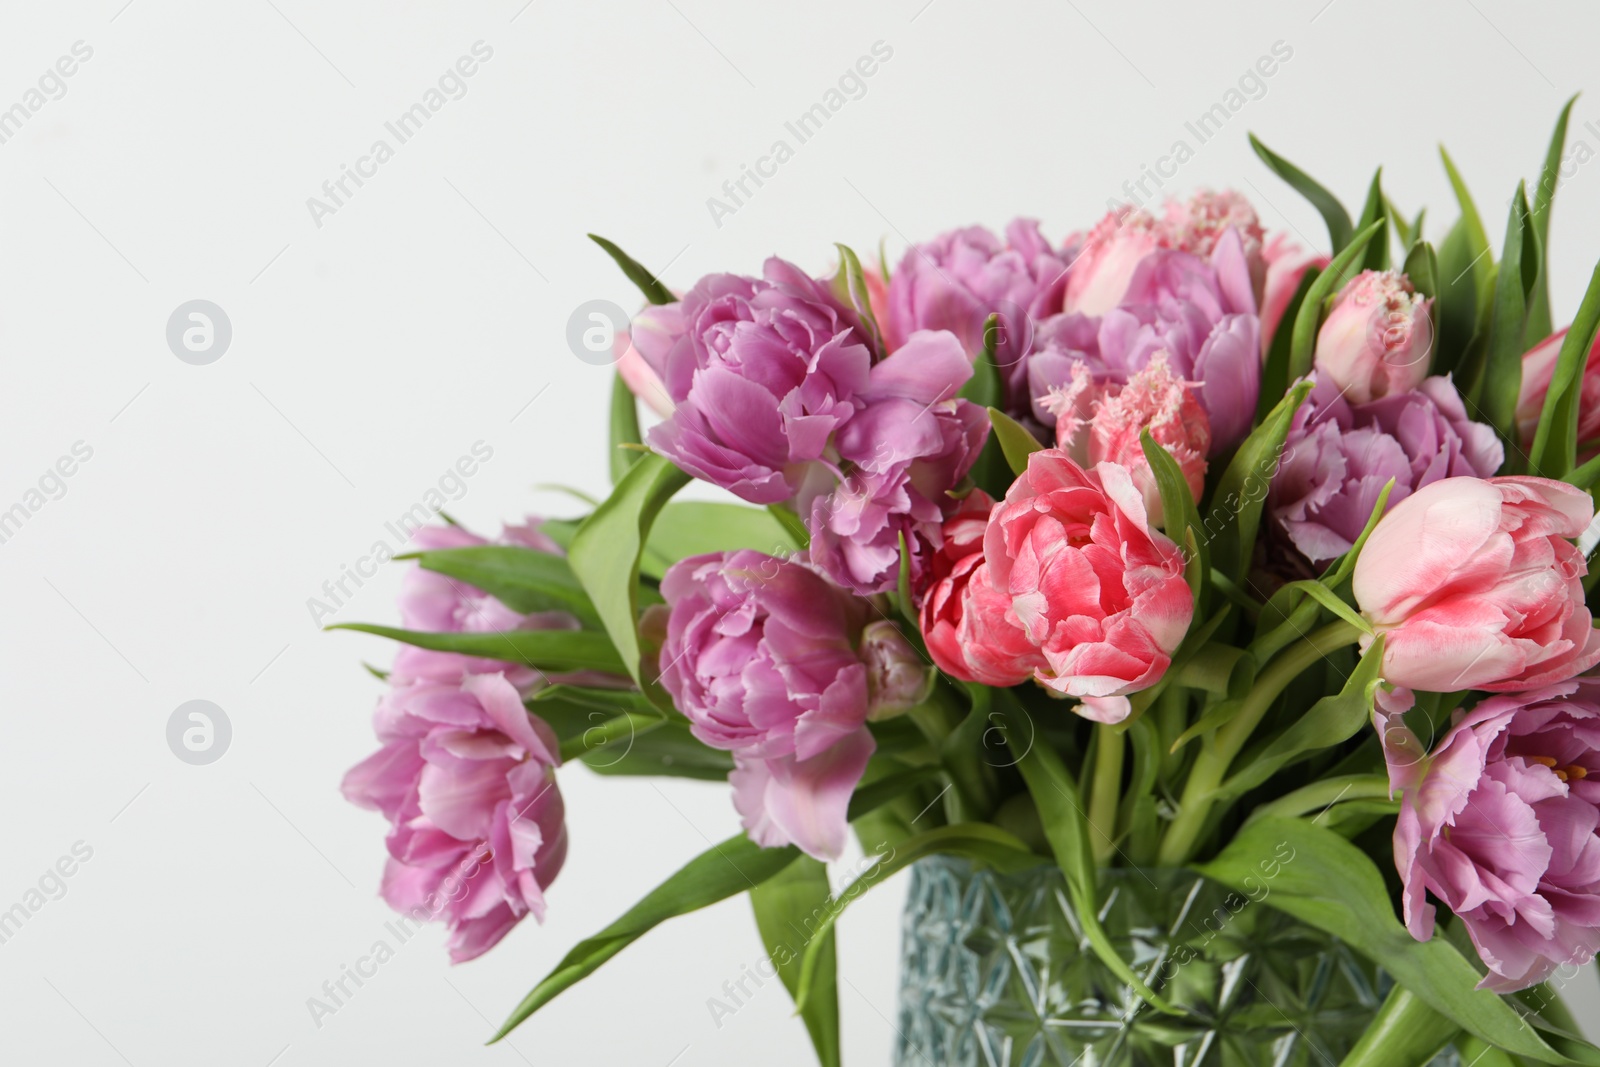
(898, 678)
(1378, 339)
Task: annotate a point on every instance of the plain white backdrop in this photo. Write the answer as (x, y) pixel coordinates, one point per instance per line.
(375, 344)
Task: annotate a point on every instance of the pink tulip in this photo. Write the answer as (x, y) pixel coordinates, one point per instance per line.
(1154, 399)
(466, 778)
(1287, 263)
(1107, 257)
(1499, 821)
(1098, 591)
(1538, 367)
(1475, 585)
(1378, 339)
(971, 632)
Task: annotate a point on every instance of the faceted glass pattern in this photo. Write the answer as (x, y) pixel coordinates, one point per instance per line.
(995, 972)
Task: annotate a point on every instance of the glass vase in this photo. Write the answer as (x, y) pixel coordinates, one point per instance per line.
(995, 972)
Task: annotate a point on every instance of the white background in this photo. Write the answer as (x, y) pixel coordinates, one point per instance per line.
(371, 352)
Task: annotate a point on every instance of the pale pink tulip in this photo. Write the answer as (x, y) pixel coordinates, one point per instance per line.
(1476, 585)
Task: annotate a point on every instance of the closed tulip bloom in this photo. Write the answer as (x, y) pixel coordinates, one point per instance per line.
(1378, 339)
(1476, 584)
(1097, 590)
(1538, 368)
(1499, 823)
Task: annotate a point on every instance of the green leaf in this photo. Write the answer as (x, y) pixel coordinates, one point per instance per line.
(979, 842)
(1555, 442)
(1405, 1032)
(1330, 884)
(624, 429)
(983, 388)
(734, 866)
(1456, 313)
(1497, 386)
(1377, 257)
(690, 527)
(1303, 341)
(786, 907)
(652, 289)
(1055, 794)
(799, 534)
(1333, 212)
(1422, 267)
(850, 286)
(549, 650)
(1544, 195)
(1403, 229)
(523, 579)
(1015, 441)
(1477, 237)
(1241, 493)
(605, 551)
(1275, 371)
(1330, 721)
(1181, 520)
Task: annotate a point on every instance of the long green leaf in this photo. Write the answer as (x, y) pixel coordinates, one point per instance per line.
(1555, 442)
(787, 906)
(605, 551)
(1241, 494)
(1180, 517)
(523, 579)
(1275, 371)
(1303, 341)
(1496, 394)
(624, 429)
(1406, 1032)
(734, 866)
(1544, 194)
(1477, 237)
(980, 842)
(692, 527)
(850, 286)
(1330, 884)
(1333, 212)
(1055, 794)
(648, 284)
(548, 650)
(1377, 257)
(1330, 721)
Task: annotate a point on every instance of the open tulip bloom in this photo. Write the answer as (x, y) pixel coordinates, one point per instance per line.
(1166, 545)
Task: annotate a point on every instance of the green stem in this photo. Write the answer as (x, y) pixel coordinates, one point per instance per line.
(1211, 766)
(1105, 789)
(1405, 1031)
(1321, 794)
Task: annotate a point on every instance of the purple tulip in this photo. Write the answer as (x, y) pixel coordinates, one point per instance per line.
(762, 372)
(437, 603)
(764, 657)
(1339, 456)
(957, 280)
(1499, 823)
(911, 443)
(466, 778)
(1201, 312)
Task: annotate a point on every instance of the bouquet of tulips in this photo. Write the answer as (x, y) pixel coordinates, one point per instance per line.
(1171, 545)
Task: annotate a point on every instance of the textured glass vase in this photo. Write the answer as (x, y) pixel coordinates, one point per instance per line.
(995, 972)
